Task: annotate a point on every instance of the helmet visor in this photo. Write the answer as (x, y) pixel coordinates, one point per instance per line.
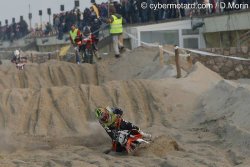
(104, 117)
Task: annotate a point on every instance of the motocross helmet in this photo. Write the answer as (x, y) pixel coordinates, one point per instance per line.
(98, 112)
(16, 52)
(102, 114)
(86, 31)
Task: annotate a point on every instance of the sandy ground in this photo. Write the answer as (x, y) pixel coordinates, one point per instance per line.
(47, 114)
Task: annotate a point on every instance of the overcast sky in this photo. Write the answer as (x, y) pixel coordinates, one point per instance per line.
(16, 8)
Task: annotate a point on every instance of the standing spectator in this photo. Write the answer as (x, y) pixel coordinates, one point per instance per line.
(144, 12)
(95, 25)
(75, 33)
(129, 11)
(207, 7)
(86, 17)
(213, 2)
(1, 33)
(60, 31)
(95, 8)
(68, 22)
(48, 29)
(23, 28)
(116, 30)
(18, 31)
(149, 10)
(156, 11)
(134, 10)
(62, 21)
(125, 9)
(160, 11)
(103, 10)
(182, 10)
(248, 2)
(118, 7)
(172, 11)
(79, 19)
(227, 9)
(56, 21)
(238, 2)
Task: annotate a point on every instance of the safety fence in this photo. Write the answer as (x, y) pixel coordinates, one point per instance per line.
(33, 57)
(229, 67)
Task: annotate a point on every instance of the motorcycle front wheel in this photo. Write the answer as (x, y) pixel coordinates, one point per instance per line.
(88, 56)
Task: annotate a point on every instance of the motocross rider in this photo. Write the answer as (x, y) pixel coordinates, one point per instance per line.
(112, 121)
(87, 34)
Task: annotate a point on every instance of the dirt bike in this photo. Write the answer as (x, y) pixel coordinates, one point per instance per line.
(88, 52)
(20, 62)
(131, 140)
(84, 49)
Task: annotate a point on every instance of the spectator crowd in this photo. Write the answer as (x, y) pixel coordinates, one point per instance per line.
(14, 30)
(130, 10)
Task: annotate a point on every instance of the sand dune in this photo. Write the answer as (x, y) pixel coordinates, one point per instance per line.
(47, 118)
(48, 74)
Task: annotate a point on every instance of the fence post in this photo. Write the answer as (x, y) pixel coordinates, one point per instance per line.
(178, 68)
(32, 58)
(57, 55)
(161, 56)
(49, 56)
(190, 61)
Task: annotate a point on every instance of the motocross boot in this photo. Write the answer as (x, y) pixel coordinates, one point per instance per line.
(96, 53)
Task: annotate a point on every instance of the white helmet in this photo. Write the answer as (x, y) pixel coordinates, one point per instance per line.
(16, 53)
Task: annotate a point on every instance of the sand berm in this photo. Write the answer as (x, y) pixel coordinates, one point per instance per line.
(47, 113)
